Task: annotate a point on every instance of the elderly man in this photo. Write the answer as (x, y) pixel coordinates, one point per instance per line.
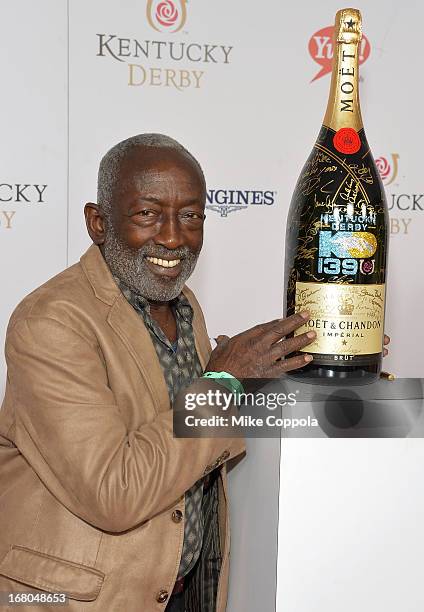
(98, 499)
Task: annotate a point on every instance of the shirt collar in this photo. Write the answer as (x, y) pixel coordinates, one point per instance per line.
(180, 303)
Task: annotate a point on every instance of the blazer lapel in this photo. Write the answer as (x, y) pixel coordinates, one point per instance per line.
(130, 328)
(128, 325)
(201, 340)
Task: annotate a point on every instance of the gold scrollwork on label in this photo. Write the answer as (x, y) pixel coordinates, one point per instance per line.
(348, 319)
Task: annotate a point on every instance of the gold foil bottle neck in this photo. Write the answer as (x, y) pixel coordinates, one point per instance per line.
(343, 108)
(348, 26)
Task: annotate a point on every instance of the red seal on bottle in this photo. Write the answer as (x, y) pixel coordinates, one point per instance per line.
(346, 140)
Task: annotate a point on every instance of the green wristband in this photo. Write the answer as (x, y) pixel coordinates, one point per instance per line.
(227, 380)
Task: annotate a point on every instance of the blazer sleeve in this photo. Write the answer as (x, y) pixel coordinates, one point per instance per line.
(70, 430)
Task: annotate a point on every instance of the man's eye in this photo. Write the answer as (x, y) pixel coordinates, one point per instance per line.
(192, 215)
(146, 213)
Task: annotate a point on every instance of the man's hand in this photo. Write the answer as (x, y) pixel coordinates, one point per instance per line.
(386, 342)
(260, 351)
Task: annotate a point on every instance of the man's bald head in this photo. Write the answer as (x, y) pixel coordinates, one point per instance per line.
(112, 162)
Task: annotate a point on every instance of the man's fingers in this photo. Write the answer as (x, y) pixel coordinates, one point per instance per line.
(386, 341)
(274, 331)
(286, 365)
(290, 345)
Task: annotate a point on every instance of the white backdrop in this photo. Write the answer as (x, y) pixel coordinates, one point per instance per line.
(72, 73)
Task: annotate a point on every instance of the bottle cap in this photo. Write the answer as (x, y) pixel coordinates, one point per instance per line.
(348, 26)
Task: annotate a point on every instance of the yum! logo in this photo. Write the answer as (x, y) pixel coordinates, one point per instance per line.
(321, 49)
(166, 15)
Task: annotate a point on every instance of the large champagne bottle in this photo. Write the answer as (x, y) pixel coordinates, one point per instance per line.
(337, 231)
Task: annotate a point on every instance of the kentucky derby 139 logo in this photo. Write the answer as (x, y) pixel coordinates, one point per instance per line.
(166, 15)
(321, 49)
(388, 170)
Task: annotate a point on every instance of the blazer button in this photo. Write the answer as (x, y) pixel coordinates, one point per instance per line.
(177, 516)
(162, 596)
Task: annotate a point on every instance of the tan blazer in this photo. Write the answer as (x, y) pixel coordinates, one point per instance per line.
(90, 473)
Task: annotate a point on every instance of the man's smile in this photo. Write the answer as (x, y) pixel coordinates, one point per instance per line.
(164, 267)
(166, 263)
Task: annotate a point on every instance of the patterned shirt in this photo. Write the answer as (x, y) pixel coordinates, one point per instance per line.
(180, 364)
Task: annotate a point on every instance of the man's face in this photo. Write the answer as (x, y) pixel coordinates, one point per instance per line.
(155, 232)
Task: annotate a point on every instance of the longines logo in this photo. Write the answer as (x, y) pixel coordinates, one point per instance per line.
(173, 64)
(226, 201)
(166, 15)
(398, 203)
(321, 50)
(21, 194)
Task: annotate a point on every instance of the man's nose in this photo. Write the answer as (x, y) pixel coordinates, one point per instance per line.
(170, 234)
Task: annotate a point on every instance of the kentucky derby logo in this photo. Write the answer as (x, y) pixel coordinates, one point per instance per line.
(321, 50)
(166, 15)
(388, 171)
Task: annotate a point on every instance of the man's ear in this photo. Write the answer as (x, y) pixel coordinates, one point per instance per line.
(95, 222)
